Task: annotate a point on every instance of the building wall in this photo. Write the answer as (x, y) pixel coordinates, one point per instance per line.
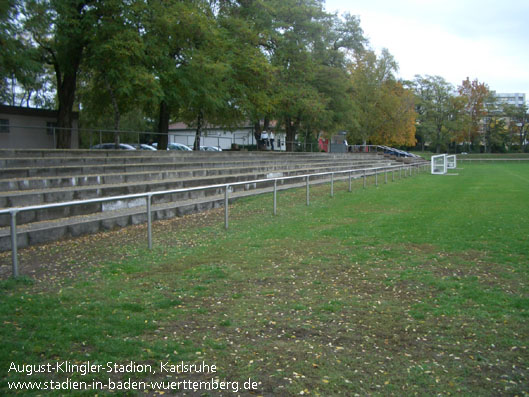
(517, 99)
(27, 128)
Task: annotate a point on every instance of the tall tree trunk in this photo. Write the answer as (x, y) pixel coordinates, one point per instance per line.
(163, 126)
(257, 131)
(116, 115)
(438, 143)
(290, 129)
(66, 75)
(66, 96)
(200, 120)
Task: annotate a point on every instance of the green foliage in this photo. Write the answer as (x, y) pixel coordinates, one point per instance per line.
(439, 111)
(384, 109)
(23, 80)
(117, 74)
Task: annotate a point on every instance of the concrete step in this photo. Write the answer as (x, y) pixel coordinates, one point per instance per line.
(44, 153)
(110, 174)
(135, 157)
(98, 169)
(47, 196)
(73, 226)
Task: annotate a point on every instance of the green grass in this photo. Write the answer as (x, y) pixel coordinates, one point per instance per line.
(417, 287)
(525, 156)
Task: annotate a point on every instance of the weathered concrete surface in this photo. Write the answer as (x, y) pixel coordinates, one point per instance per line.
(33, 177)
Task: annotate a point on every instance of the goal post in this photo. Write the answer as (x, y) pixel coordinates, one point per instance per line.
(451, 162)
(439, 164)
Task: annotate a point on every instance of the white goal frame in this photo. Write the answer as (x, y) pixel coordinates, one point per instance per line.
(451, 162)
(439, 164)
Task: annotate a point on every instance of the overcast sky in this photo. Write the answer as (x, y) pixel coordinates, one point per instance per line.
(455, 39)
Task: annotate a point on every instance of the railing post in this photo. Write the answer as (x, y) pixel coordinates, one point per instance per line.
(226, 201)
(385, 176)
(149, 221)
(393, 175)
(275, 196)
(308, 191)
(400, 172)
(14, 243)
(332, 184)
(376, 177)
(364, 178)
(350, 181)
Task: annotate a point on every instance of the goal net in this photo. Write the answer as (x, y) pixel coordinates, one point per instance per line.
(439, 164)
(451, 162)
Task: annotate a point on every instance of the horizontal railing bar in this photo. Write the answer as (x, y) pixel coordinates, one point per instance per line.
(500, 159)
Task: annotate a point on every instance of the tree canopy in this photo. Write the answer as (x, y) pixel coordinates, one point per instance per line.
(226, 63)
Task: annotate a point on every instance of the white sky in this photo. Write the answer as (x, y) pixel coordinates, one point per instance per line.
(454, 39)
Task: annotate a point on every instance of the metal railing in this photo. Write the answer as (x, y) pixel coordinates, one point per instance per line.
(364, 173)
(485, 160)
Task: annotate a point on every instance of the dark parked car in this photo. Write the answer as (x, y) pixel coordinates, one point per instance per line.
(175, 146)
(142, 146)
(210, 149)
(112, 146)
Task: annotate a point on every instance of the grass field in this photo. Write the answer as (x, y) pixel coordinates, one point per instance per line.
(489, 156)
(417, 287)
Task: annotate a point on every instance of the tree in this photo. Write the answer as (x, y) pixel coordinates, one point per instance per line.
(438, 110)
(61, 30)
(308, 50)
(23, 80)
(475, 94)
(517, 121)
(227, 79)
(385, 111)
(117, 75)
(173, 31)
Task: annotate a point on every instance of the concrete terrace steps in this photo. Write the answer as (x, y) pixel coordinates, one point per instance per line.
(46, 196)
(8, 160)
(85, 153)
(27, 178)
(39, 177)
(52, 230)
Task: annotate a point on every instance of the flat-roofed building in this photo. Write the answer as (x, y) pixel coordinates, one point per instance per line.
(517, 99)
(30, 128)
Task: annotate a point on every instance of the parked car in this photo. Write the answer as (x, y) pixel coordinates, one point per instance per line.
(175, 146)
(142, 146)
(210, 149)
(112, 146)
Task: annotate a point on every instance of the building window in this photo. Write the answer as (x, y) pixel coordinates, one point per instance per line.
(4, 126)
(50, 127)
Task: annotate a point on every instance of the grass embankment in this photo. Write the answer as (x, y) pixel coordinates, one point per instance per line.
(415, 287)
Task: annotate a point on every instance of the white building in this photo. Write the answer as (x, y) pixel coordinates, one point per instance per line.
(517, 99)
(220, 137)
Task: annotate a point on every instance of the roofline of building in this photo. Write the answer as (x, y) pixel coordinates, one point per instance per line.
(32, 112)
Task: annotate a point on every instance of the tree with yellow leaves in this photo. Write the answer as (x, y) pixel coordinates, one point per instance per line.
(384, 108)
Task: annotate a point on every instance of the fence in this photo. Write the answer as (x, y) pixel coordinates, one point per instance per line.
(45, 137)
(488, 160)
(364, 173)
